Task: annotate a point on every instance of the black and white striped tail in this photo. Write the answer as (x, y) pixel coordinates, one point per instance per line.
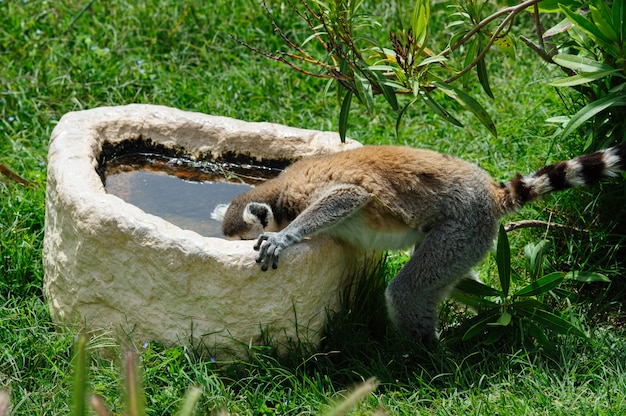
(582, 170)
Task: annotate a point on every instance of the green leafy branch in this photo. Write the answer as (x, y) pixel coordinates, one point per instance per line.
(363, 68)
(523, 309)
(593, 56)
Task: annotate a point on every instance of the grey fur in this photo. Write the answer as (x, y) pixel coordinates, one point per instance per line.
(390, 197)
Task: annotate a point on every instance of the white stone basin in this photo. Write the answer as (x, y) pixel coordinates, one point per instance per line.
(111, 266)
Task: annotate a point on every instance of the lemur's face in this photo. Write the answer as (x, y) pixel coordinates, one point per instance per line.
(244, 222)
(258, 217)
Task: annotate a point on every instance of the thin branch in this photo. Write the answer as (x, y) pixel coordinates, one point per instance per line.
(506, 22)
(513, 10)
(538, 26)
(288, 41)
(545, 225)
(7, 172)
(287, 62)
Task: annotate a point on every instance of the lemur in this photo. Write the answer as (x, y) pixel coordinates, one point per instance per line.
(393, 197)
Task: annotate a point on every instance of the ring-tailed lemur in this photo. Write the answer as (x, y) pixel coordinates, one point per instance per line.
(387, 197)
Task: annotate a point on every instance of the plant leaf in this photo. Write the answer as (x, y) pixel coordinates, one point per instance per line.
(470, 104)
(580, 63)
(401, 114)
(503, 320)
(380, 81)
(503, 261)
(432, 60)
(534, 254)
(552, 6)
(419, 20)
(603, 19)
(543, 285)
(552, 322)
(364, 90)
(438, 109)
(587, 277)
(619, 20)
(478, 324)
(529, 304)
(481, 71)
(473, 287)
(343, 115)
(560, 27)
(470, 54)
(587, 26)
(493, 337)
(474, 301)
(505, 44)
(539, 335)
(591, 109)
(582, 78)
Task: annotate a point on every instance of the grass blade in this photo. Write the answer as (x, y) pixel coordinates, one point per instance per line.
(361, 392)
(191, 398)
(80, 377)
(134, 389)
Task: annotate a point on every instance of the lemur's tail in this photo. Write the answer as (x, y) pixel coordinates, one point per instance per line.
(582, 170)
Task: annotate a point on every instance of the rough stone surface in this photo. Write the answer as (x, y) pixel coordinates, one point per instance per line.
(111, 266)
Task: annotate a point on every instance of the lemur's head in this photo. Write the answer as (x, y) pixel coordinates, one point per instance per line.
(244, 220)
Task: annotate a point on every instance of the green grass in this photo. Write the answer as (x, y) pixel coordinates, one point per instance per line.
(57, 57)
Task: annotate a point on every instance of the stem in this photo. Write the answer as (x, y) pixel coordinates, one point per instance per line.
(508, 21)
(512, 11)
(539, 27)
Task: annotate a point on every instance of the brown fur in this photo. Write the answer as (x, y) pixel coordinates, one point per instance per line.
(388, 197)
(407, 185)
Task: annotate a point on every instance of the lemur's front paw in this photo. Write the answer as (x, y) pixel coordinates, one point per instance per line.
(269, 247)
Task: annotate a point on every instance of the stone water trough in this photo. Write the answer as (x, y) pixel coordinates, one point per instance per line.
(111, 266)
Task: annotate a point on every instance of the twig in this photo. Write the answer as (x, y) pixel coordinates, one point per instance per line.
(285, 61)
(514, 225)
(507, 22)
(513, 10)
(4, 170)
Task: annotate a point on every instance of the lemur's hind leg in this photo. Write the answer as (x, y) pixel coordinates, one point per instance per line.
(447, 254)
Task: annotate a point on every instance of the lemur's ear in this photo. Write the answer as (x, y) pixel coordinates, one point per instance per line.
(219, 211)
(258, 213)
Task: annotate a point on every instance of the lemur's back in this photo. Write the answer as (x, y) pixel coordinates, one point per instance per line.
(414, 184)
